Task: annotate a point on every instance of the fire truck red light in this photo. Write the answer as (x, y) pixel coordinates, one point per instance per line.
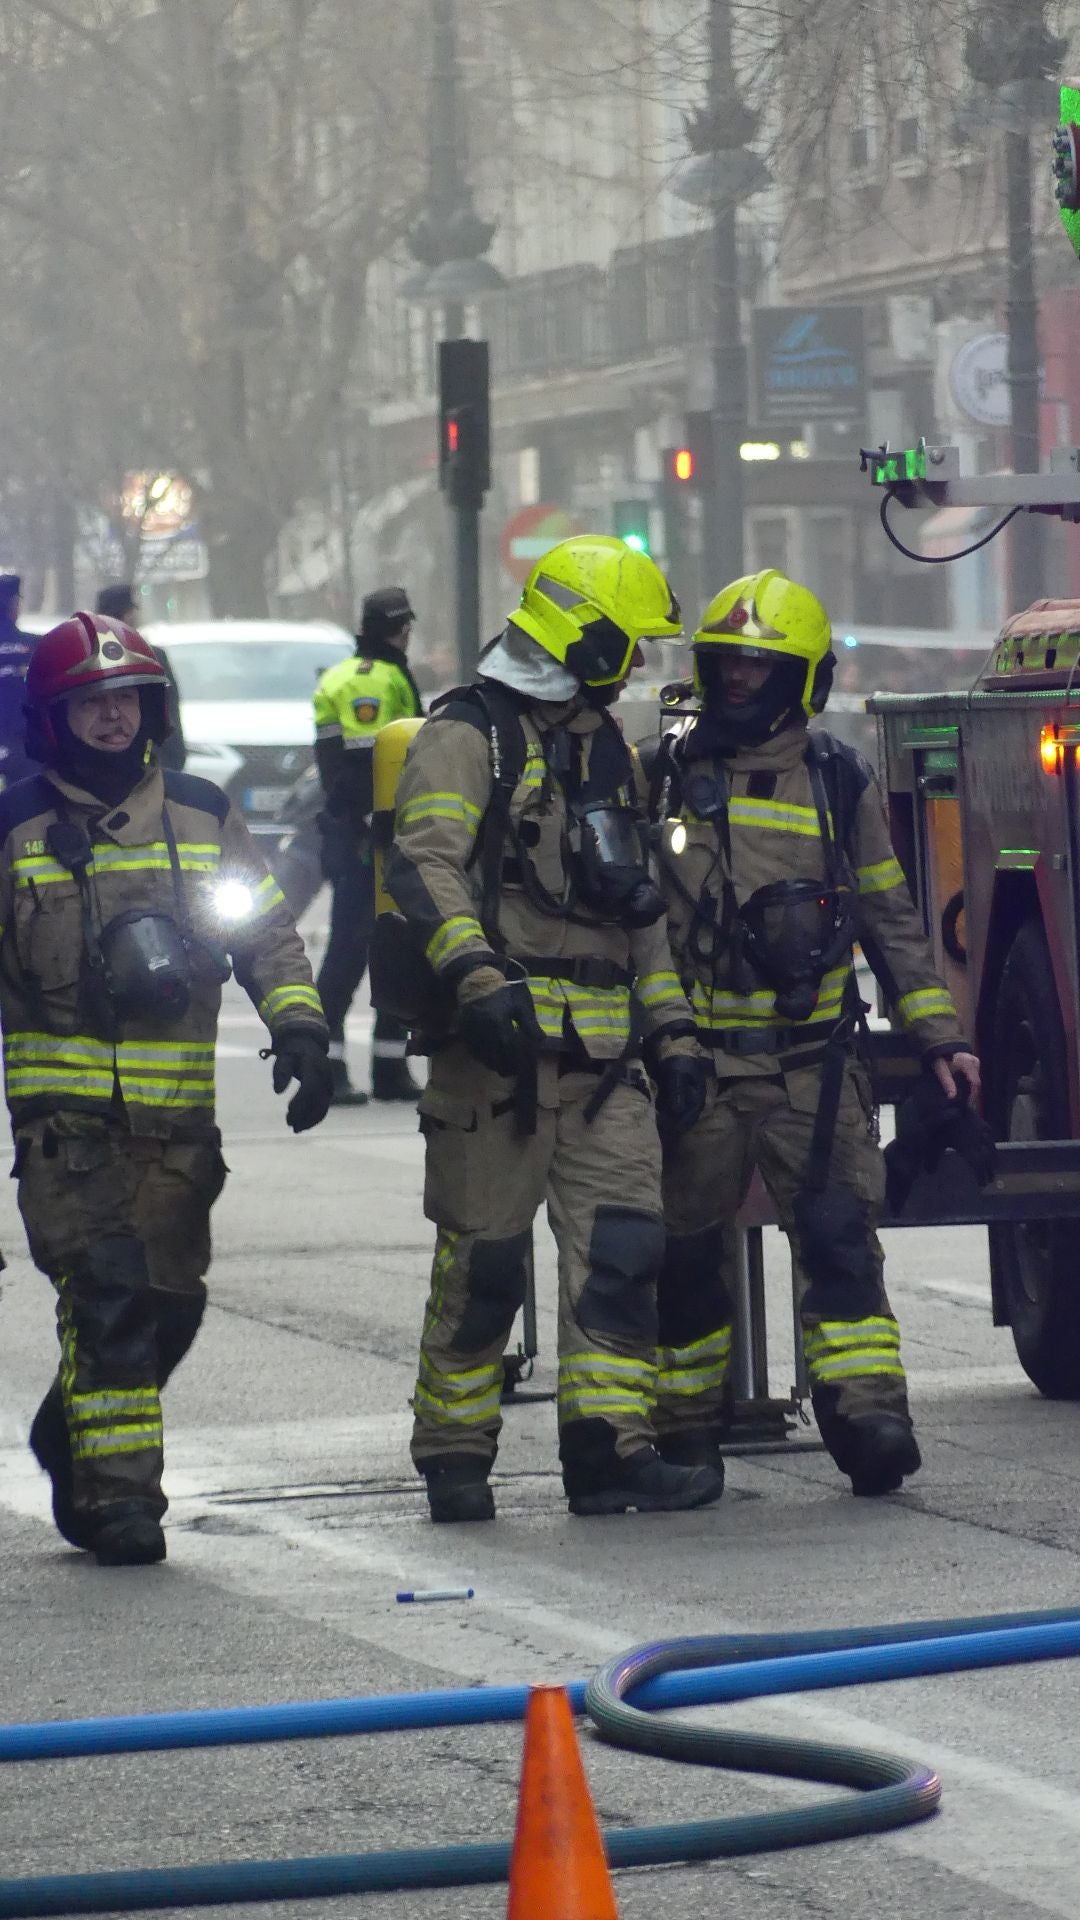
(453, 432)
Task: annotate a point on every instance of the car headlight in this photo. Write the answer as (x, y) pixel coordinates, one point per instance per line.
(233, 902)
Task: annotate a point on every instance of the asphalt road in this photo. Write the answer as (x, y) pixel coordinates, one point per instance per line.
(295, 1518)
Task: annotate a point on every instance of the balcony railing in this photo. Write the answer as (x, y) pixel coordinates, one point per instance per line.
(650, 299)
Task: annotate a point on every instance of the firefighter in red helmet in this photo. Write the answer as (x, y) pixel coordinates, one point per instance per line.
(127, 894)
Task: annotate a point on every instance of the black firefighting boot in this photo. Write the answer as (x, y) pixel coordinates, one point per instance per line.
(344, 1094)
(391, 1080)
(457, 1488)
(694, 1447)
(51, 1448)
(127, 1533)
(645, 1481)
(880, 1451)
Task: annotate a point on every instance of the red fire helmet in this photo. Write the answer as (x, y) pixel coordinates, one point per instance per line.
(90, 650)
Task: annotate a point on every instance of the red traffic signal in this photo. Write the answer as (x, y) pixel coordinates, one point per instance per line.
(464, 427)
(680, 466)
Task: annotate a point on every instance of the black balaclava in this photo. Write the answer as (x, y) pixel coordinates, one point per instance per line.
(108, 776)
(723, 729)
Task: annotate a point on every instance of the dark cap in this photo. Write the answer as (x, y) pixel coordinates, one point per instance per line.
(116, 601)
(384, 611)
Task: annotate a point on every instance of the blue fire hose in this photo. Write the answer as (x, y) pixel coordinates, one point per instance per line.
(713, 1669)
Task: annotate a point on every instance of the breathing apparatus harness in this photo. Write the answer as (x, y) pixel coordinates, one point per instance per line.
(786, 936)
(606, 856)
(605, 852)
(605, 847)
(143, 963)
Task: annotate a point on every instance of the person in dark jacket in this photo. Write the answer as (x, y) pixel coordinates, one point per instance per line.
(16, 649)
(117, 602)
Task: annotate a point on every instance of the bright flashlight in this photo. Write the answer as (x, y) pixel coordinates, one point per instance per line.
(678, 839)
(233, 902)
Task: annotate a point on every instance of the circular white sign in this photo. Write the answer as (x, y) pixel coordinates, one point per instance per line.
(979, 379)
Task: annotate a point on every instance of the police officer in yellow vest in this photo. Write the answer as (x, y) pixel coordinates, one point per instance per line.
(775, 857)
(354, 700)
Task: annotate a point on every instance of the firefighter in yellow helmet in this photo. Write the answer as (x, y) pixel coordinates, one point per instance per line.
(774, 858)
(520, 863)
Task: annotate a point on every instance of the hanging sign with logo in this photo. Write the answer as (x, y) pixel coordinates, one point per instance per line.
(809, 364)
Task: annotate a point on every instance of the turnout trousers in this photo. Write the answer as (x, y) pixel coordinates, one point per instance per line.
(850, 1337)
(484, 1182)
(121, 1225)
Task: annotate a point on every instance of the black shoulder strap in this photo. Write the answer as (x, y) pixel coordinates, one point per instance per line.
(506, 737)
(833, 789)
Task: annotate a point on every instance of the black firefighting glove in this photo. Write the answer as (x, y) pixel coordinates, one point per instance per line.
(682, 1084)
(497, 1023)
(928, 1123)
(301, 1055)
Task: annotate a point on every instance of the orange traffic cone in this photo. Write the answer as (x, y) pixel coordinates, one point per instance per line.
(558, 1870)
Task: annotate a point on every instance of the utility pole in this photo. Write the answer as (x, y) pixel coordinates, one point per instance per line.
(1009, 52)
(1027, 557)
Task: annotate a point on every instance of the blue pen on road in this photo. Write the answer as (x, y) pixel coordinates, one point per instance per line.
(439, 1593)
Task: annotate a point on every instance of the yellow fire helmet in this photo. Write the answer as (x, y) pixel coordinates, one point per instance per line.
(768, 616)
(590, 600)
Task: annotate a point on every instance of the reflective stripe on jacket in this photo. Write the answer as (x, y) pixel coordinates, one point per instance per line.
(775, 835)
(435, 878)
(163, 1074)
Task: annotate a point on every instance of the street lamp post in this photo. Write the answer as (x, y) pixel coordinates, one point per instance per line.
(723, 172)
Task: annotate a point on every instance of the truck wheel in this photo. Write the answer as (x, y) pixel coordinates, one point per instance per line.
(1029, 1100)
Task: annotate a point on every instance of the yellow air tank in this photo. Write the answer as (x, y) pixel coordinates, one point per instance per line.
(391, 746)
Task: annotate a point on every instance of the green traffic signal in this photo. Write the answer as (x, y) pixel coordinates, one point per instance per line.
(632, 524)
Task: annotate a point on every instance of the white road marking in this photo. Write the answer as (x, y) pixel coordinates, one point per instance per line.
(506, 1624)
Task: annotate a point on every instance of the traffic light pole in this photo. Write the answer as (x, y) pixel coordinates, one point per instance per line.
(466, 516)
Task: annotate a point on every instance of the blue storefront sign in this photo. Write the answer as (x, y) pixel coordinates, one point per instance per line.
(809, 364)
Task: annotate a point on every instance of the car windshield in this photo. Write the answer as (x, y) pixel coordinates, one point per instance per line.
(252, 669)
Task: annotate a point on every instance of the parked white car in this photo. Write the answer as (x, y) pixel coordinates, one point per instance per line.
(245, 702)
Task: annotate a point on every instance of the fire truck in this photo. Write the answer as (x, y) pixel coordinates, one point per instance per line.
(984, 801)
(983, 793)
